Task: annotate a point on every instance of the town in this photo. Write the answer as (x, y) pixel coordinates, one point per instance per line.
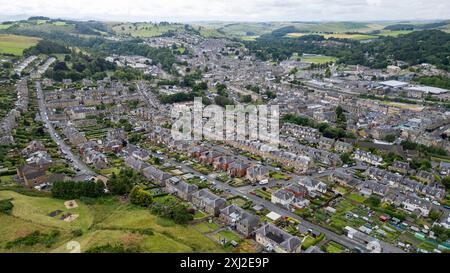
(362, 165)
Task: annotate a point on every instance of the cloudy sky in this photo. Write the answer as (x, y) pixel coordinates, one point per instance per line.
(230, 10)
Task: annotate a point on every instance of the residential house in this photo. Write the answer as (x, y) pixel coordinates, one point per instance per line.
(236, 217)
(257, 173)
(313, 185)
(208, 201)
(155, 174)
(278, 240)
(368, 157)
(425, 177)
(400, 167)
(32, 175)
(222, 163)
(180, 188)
(343, 147)
(326, 143)
(282, 197)
(33, 146)
(445, 168)
(237, 169)
(98, 159)
(116, 134)
(40, 159)
(418, 205)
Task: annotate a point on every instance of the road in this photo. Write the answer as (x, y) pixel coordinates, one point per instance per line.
(65, 149)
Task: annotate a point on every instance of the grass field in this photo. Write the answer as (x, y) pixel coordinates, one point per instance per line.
(395, 33)
(319, 59)
(145, 29)
(13, 44)
(5, 26)
(105, 221)
(350, 36)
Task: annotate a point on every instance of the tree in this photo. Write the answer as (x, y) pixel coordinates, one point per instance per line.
(390, 138)
(140, 197)
(76, 190)
(446, 182)
(6, 206)
(373, 201)
(346, 158)
(123, 182)
(434, 214)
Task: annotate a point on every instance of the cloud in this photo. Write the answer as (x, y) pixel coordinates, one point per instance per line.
(231, 10)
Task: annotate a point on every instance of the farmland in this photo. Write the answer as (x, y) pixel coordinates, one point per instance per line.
(318, 59)
(13, 44)
(145, 29)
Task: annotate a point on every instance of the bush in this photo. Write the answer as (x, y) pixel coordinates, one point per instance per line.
(6, 206)
(140, 197)
(77, 232)
(116, 248)
(35, 238)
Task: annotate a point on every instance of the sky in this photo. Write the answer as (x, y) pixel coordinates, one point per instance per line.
(230, 10)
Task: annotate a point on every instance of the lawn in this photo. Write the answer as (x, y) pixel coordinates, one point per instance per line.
(228, 235)
(263, 194)
(356, 197)
(319, 59)
(13, 44)
(199, 215)
(279, 176)
(206, 227)
(333, 247)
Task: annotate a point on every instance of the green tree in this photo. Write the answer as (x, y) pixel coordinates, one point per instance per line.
(140, 197)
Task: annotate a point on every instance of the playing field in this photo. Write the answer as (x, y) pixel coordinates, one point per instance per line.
(13, 44)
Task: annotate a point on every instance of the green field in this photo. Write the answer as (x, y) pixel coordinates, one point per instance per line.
(395, 33)
(319, 59)
(145, 29)
(13, 44)
(104, 222)
(5, 26)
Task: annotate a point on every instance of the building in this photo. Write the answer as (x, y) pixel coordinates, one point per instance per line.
(237, 169)
(208, 202)
(180, 188)
(368, 157)
(278, 240)
(257, 173)
(236, 217)
(156, 175)
(282, 197)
